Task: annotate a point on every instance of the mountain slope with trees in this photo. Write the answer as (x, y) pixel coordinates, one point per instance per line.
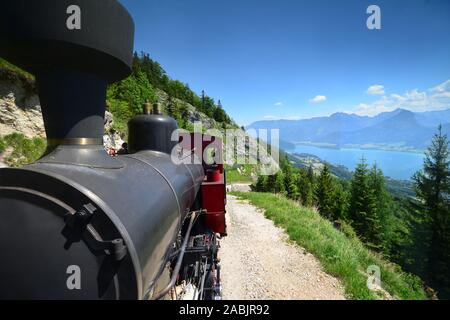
(413, 232)
(150, 83)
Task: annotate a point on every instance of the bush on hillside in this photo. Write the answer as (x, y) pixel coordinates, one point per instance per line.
(24, 150)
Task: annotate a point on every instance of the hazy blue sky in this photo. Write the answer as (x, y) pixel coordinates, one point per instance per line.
(269, 59)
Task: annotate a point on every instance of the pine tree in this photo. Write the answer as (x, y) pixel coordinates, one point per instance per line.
(285, 163)
(203, 99)
(220, 115)
(325, 192)
(403, 236)
(271, 180)
(289, 182)
(311, 176)
(383, 203)
(291, 189)
(340, 202)
(433, 191)
(170, 107)
(261, 184)
(305, 189)
(279, 183)
(363, 213)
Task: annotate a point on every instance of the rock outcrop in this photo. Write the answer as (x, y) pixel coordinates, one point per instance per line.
(193, 115)
(19, 111)
(112, 139)
(3, 155)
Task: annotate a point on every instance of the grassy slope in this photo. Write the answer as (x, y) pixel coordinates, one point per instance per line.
(11, 73)
(233, 175)
(6, 65)
(23, 151)
(2, 145)
(341, 255)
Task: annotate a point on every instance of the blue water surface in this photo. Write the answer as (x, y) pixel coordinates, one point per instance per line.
(395, 164)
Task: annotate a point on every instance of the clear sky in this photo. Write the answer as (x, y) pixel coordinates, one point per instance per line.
(293, 59)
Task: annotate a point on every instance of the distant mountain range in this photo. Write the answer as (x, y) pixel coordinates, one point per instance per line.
(400, 129)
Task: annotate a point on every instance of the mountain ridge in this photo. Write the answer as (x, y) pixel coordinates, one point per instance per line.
(401, 129)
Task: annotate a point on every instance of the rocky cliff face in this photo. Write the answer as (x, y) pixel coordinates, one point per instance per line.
(112, 139)
(19, 111)
(193, 114)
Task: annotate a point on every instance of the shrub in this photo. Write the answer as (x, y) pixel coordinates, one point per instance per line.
(24, 150)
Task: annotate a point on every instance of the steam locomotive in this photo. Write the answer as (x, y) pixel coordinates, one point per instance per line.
(78, 223)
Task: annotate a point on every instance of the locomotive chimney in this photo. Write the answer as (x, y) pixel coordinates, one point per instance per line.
(75, 48)
(72, 107)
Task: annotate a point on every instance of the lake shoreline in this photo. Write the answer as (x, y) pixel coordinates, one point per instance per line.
(398, 165)
(356, 147)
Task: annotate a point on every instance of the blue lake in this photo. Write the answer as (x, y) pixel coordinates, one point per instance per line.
(395, 164)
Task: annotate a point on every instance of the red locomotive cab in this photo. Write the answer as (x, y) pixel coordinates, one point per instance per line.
(214, 186)
(213, 189)
(213, 198)
(213, 175)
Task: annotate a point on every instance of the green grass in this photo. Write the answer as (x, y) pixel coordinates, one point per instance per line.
(233, 175)
(8, 66)
(341, 253)
(11, 73)
(2, 145)
(24, 150)
(121, 114)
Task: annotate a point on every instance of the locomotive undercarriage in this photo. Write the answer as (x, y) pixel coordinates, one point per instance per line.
(199, 276)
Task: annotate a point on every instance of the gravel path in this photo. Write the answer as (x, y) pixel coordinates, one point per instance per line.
(259, 263)
(240, 187)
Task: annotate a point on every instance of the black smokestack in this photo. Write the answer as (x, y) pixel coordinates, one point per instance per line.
(73, 105)
(75, 48)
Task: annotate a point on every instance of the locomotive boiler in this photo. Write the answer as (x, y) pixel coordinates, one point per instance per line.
(78, 223)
